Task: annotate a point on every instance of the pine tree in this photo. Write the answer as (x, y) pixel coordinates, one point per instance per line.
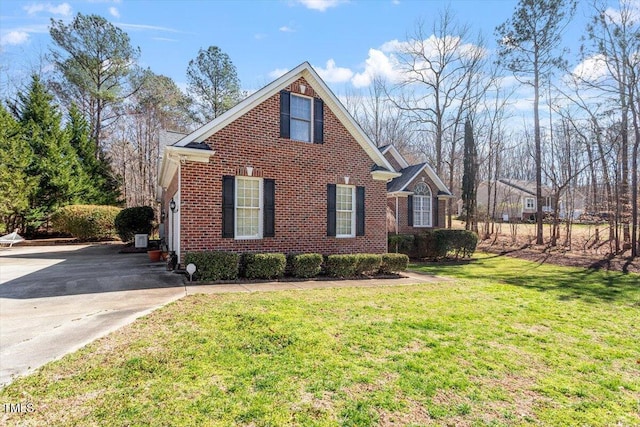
(469, 195)
(15, 185)
(54, 166)
(101, 187)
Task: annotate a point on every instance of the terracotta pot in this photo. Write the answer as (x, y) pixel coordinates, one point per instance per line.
(154, 256)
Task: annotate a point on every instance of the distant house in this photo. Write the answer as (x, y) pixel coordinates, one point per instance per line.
(286, 170)
(417, 198)
(516, 199)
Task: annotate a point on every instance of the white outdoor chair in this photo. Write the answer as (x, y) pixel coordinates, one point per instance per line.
(11, 238)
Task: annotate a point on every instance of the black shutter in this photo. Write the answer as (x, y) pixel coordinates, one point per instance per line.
(269, 208)
(285, 115)
(228, 196)
(318, 121)
(434, 212)
(359, 211)
(410, 211)
(331, 209)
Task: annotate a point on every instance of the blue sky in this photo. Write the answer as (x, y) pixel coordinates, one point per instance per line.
(343, 40)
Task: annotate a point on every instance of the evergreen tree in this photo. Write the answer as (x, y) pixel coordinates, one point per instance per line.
(15, 185)
(54, 166)
(101, 187)
(469, 196)
(213, 80)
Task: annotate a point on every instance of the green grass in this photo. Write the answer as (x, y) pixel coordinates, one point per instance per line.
(505, 343)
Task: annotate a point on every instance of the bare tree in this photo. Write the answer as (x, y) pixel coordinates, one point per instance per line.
(614, 51)
(435, 67)
(529, 42)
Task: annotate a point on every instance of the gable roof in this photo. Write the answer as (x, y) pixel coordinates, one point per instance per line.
(391, 149)
(409, 173)
(331, 101)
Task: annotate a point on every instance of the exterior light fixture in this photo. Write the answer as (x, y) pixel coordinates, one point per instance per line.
(172, 205)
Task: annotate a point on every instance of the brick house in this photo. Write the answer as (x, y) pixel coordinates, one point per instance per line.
(417, 198)
(285, 170)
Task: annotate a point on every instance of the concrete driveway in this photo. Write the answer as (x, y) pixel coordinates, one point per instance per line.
(56, 299)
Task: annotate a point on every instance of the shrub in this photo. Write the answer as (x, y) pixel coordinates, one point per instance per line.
(392, 263)
(132, 221)
(439, 243)
(86, 222)
(264, 266)
(341, 265)
(368, 263)
(304, 265)
(214, 265)
(402, 243)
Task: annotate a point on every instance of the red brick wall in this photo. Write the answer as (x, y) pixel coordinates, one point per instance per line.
(403, 228)
(301, 171)
(392, 160)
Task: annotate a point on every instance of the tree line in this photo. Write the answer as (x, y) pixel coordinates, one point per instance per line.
(89, 133)
(452, 103)
(96, 120)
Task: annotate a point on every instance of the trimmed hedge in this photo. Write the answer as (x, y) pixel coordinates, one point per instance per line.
(392, 263)
(341, 265)
(368, 263)
(304, 265)
(214, 265)
(86, 222)
(264, 266)
(132, 221)
(439, 243)
(401, 243)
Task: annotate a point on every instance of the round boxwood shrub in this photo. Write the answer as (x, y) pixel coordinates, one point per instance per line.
(304, 265)
(341, 265)
(132, 221)
(214, 265)
(263, 266)
(86, 222)
(392, 263)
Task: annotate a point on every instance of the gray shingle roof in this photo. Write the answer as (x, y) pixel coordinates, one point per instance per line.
(399, 183)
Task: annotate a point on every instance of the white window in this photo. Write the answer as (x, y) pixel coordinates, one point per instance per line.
(345, 211)
(529, 203)
(300, 118)
(248, 208)
(422, 205)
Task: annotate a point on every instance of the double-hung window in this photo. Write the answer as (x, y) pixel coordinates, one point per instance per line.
(300, 118)
(248, 204)
(422, 205)
(345, 211)
(529, 203)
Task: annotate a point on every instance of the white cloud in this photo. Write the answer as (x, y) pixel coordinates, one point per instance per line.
(278, 72)
(333, 74)
(145, 27)
(320, 5)
(395, 2)
(378, 64)
(286, 29)
(259, 36)
(591, 69)
(14, 38)
(62, 9)
(114, 12)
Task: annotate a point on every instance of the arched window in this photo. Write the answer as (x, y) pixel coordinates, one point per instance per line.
(421, 205)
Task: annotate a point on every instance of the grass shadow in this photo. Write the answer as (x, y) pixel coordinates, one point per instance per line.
(566, 282)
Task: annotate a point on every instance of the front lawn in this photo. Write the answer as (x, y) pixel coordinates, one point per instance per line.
(506, 343)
